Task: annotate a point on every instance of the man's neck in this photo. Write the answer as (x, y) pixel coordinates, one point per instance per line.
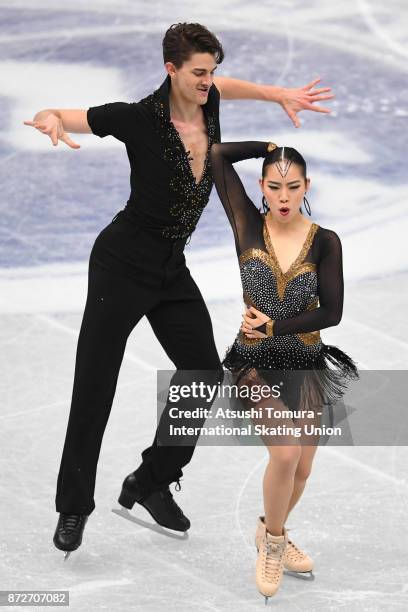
(181, 109)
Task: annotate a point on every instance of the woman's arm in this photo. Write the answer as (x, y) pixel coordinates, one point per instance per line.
(242, 214)
(331, 295)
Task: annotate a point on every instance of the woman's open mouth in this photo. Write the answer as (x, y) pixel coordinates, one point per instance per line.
(284, 211)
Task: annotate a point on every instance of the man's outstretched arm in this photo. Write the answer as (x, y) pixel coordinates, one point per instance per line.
(292, 100)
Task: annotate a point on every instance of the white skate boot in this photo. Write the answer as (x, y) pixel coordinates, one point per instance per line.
(269, 564)
(296, 562)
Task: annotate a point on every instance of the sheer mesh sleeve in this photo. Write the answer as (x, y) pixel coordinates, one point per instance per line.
(244, 217)
(330, 290)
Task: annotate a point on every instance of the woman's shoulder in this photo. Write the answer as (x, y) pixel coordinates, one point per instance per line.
(327, 233)
(327, 238)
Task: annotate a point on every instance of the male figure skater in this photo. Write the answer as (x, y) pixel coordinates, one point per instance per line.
(137, 266)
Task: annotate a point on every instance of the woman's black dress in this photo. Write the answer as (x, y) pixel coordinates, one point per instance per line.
(303, 300)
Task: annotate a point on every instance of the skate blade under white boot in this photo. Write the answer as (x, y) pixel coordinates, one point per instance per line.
(302, 575)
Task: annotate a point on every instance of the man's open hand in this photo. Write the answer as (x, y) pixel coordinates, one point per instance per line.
(52, 127)
(293, 100)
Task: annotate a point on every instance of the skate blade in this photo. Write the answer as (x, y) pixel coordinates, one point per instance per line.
(66, 555)
(302, 575)
(166, 531)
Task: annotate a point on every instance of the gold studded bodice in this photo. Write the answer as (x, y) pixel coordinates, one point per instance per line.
(280, 295)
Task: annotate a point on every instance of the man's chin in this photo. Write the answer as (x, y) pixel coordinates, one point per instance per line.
(202, 98)
(198, 99)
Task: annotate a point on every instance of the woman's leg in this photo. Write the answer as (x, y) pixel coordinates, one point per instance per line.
(310, 400)
(284, 455)
(302, 473)
(278, 485)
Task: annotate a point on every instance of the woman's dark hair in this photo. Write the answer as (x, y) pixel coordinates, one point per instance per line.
(289, 154)
(183, 39)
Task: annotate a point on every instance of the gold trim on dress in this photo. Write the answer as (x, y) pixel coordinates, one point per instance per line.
(283, 278)
(314, 304)
(269, 327)
(254, 254)
(309, 338)
(248, 341)
(302, 253)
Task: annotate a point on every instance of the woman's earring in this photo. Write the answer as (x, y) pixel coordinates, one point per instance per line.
(307, 205)
(265, 205)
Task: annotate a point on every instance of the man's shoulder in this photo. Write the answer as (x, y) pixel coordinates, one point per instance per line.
(151, 105)
(124, 110)
(148, 99)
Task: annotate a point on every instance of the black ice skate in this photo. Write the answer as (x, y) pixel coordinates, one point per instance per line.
(69, 531)
(160, 504)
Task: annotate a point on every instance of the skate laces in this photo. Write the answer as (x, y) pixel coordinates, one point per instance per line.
(273, 559)
(70, 522)
(176, 508)
(294, 550)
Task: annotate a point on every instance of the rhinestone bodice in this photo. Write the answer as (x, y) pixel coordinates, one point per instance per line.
(280, 295)
(261, 289)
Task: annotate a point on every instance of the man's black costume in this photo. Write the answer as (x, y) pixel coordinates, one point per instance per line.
(136, 268)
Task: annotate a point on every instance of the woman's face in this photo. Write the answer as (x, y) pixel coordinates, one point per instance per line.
(284, 194)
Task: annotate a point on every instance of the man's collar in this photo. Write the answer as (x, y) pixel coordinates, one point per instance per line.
(164, 93)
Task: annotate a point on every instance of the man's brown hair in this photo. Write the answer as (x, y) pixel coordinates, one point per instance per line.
(183, 39)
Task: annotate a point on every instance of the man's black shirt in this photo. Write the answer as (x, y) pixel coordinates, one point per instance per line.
(164, 193)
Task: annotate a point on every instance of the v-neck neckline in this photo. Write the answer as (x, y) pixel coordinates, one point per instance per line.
(185, 153)
(302, 253)
(211, 106)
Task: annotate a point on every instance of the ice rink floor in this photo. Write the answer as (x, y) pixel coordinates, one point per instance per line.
(352, 516)
(351, 519)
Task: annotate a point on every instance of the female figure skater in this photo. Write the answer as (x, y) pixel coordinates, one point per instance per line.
(291, 272)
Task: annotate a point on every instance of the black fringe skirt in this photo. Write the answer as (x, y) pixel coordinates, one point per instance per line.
(322, 380)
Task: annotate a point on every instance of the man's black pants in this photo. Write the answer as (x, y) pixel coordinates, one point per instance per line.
(115, 303)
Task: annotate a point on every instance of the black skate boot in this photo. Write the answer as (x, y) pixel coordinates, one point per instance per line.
(160, 504)
(69, 531)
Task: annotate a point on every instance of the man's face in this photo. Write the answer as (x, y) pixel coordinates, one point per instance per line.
(194, 78)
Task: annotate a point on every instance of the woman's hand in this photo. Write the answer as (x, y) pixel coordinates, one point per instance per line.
(251, 319)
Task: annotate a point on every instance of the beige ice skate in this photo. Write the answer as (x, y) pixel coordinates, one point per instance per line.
(269, 564)
(296, 562)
